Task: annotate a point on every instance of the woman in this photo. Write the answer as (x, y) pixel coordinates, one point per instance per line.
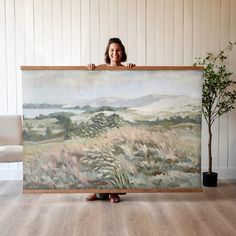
(114, 55)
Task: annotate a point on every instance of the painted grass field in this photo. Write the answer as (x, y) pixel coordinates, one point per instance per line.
(136, 157)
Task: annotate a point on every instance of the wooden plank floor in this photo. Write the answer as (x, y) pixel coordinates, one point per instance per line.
(211, 212)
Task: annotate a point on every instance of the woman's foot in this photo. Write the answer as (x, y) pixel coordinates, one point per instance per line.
(98, 196)
(92, 197)
(114, 198)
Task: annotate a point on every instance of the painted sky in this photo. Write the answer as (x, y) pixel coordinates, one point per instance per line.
(68, 86)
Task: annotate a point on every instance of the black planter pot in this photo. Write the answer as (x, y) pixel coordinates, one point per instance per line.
(210, 180)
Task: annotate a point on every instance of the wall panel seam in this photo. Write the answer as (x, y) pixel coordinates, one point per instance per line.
(173, 33)
(43, 32)
(34, 31)
(192, 35)
(16, 88)
(6, 64)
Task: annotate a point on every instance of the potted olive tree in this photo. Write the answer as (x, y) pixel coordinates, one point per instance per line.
(218, 98)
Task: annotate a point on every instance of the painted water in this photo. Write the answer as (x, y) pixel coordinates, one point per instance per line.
(31, 113)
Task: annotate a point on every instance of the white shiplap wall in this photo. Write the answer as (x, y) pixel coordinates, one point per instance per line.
(155, 32)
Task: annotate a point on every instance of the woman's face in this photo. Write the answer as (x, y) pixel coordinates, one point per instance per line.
(115, 53)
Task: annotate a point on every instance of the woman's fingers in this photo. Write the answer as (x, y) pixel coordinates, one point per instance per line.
(91, 66)
(129, 65)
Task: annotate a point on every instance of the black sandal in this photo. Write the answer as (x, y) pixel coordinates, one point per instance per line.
(114, 198)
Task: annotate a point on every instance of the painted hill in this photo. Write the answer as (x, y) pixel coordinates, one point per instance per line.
(161, 107)
(116, 102)
(169, 106)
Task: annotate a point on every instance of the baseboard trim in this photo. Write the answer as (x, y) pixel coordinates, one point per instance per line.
(7, 173)
(11, 173)
(224, 173)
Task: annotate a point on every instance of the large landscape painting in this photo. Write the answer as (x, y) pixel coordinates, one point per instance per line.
(112, 129)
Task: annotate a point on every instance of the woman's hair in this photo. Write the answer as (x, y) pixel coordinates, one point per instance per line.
(118, 41)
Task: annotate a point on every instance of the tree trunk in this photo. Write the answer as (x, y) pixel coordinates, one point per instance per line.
(209, 149)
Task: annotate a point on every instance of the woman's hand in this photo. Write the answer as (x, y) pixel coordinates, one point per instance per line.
(91, 66)
(129, 65)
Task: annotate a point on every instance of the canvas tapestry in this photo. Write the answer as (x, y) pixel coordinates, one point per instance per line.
(112, 129)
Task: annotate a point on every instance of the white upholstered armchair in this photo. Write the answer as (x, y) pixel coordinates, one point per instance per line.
(11, 148)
